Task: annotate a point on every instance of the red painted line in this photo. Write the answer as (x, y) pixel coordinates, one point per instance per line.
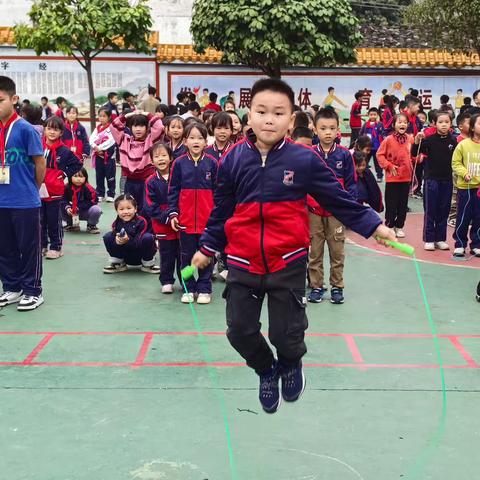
(463, 351)
(353, 347)
(41, 345)
(391, 366)
(143, 350)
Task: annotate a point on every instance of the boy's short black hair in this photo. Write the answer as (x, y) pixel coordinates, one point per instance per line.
(330, 89)
(467, 101)
(7, 85)
(444, 112)
(221, 119)
(384, 91)
(475, 93)
(205, 90)
(359, 157)
(127, 95)
(193, 106)
(152, 90)
(213, 97)
(301, 119)
(112, 94)
(199, 126)
(44, 98)
(315, 108)
(414, 92)
(432, 115)
(444, 99)
(302, 132)
(359, 94)
(363, 141)
(328, 113)
(138, 121)
(60, 100)
(55, 122)
(459, 90)
(274, 85)
(32, 115)
(374, 109)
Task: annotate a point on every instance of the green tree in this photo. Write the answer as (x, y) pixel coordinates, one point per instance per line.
(271, 35)
(84, 29)
(448, 24)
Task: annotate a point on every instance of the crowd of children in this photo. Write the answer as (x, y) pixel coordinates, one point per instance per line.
(195, 179)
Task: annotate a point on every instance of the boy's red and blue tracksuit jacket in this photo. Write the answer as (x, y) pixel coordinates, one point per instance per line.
(156, 207)
(76, 139)
(340, 161)
(190, 192)
(260, 217)
(215, 152)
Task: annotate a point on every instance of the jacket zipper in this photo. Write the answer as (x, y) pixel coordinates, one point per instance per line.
(262, 220)
(196, 183)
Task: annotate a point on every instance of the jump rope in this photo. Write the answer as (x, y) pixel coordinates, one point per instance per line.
(421, 460)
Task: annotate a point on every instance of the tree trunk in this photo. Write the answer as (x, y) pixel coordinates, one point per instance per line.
(91, 93)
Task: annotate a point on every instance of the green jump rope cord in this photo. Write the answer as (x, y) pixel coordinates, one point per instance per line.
(187, 272)
(433, 442)
(416, 470)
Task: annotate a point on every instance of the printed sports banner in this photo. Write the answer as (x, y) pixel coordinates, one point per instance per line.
(311, 88)
(52, 78)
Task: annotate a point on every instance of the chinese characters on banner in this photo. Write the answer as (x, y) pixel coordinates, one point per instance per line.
(313, 89)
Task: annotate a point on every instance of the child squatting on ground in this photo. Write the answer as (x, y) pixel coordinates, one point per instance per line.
(260, 220)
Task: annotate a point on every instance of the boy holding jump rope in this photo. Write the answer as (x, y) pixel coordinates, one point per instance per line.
(260, 220)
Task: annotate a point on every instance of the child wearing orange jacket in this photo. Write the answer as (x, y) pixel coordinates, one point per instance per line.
(394, 156)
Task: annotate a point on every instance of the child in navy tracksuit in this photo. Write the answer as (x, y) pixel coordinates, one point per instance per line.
(75, 136)
(21, 171)
(104, 156)
(190, 201)
(174, 131)
(61, 162)
(438, 177)
(261, 221)
(222, 127)
(129, 243)
(80, 203)
(374, 129)
(324, 227)
(156, 207)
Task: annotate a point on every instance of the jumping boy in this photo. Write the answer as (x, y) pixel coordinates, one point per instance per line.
(261, 222)
(21, 174)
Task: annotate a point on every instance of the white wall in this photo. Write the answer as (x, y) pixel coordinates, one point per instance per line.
(171, 17)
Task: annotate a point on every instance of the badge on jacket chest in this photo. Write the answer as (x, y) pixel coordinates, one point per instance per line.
(288, 177)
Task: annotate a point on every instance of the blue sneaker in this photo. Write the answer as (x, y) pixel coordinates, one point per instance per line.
(336, 296)
(269, 394)
(316, 295)
(293, 382)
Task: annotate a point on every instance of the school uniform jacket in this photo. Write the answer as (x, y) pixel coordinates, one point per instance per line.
(260, 216)
(75, 138)
(340, 160)
(60, 165)
(215, 152)
(190, 191)
(156, 207)
(179, 150)
(79, 199)
(375, 131)
(135, 229)
(372, 193)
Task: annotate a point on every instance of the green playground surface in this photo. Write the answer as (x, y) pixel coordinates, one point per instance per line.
(108, 381)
